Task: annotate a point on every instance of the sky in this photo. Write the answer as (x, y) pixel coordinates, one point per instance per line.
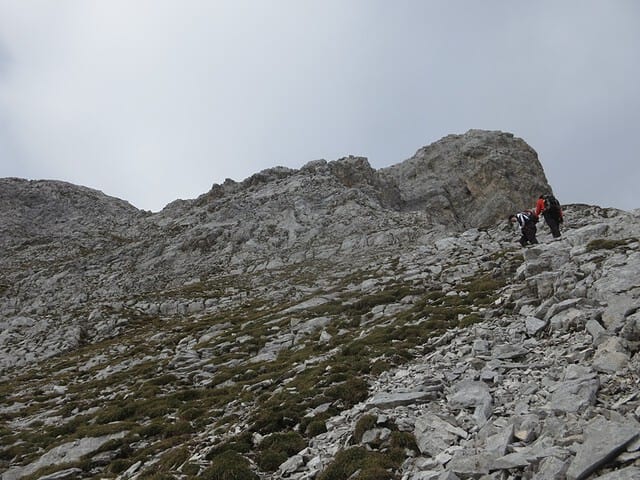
(155, 100)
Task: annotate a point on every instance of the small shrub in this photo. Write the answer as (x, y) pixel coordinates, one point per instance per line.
(270, 460)
(163, 379)
(402, 440)
(118, 466)
(371, 465)
(315, 427)
(228, 465)
(189, 395)
(177, 429)
(193, 413)
(190, 469)
(116, 413)
(366, 422)
(153, 429)
(240, 444)
(172, 459)
(374, 473)
(277, 448)
(470, 320)
(605, 244)
(351, 392)
(345, 464)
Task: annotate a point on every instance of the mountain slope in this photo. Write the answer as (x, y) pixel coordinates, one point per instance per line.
(314, 323)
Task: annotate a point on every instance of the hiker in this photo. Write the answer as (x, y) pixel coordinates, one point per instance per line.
(549, 207)
(527, 221)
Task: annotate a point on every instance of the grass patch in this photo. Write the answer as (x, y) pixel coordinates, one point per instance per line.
(369, 465)
(366, 422)
(228, 465)
(277, 448)
(607, 244)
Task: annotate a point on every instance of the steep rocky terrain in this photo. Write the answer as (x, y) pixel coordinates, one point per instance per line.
(330, 322)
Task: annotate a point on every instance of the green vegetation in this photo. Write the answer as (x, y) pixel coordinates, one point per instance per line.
(277, 448)
(366, 422)
(372, 465)
(607, 244)
(123, 384)
(228, 465)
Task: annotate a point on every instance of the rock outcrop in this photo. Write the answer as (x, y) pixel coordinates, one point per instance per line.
(329, 322)
(470, 180)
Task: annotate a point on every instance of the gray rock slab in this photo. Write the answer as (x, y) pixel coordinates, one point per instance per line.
(433, 434)
(619, 279)
(508, 352)
(551, 468)
(534, 325)
(597, 332)
(617, 307)
(63, 474)
(469, 393)
(497, 443)
(509, 461)
(629, 473)
(470, 465)
(448, 476)
(392, 400)
(291, 465)
(604, 441)
(610, 357)
(574, 395)
(65, 453)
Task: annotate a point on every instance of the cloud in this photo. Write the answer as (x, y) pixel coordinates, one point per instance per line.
(155, 100)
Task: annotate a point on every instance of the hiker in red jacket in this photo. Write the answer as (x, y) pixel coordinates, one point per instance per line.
(549, 207)
(527, 221)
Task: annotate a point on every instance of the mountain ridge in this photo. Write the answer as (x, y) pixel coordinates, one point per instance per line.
(322, 323)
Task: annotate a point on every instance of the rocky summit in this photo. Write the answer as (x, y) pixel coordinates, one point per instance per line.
(329, 322)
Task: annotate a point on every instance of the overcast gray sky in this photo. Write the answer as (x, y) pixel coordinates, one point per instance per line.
(154, 100)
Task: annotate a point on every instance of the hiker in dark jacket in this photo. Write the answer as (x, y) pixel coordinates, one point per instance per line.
(549, 207)
(527, 221)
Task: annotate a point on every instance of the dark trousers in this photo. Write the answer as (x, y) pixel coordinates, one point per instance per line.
(528, 234)
(554, 224)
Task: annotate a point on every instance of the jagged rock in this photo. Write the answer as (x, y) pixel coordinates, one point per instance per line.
(596, 331)
(470, 464)
(63, 474)
(535, 325)
(498, 443)
(291, 465)
(433, 434)
(611, 356)
(574, 394)
(63, 454)
(618, 306)
(604, 441)
(629, 473)
(473, 394)
(428, 180)
(551, 468)
(396, 399)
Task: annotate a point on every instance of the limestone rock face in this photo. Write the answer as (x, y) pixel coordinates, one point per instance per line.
(472, 179)
(319, 319)
(41, 211)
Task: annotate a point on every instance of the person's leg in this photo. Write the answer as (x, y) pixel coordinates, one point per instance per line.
(554, 226)
(523, 240)
(529, 234)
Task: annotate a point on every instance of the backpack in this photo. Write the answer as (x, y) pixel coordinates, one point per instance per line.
(551, 203)
(531, 216)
